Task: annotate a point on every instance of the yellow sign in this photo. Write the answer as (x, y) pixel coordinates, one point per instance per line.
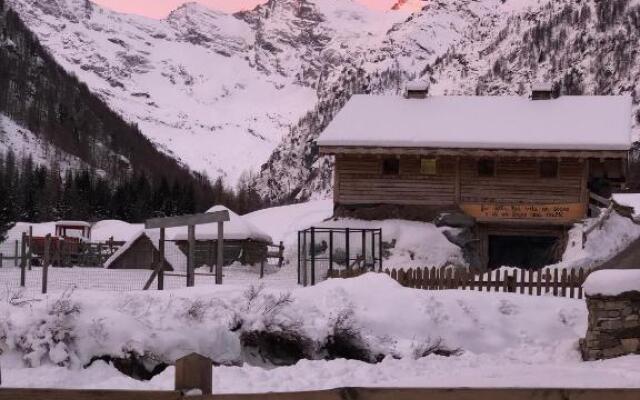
(548, 212)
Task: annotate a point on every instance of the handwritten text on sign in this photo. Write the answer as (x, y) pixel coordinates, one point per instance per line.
(557, 212)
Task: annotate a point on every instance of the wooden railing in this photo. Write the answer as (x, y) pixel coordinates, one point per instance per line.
(558, 282)
(194, 377)
(336, 394)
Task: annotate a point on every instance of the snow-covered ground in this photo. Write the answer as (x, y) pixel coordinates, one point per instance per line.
(506, 339)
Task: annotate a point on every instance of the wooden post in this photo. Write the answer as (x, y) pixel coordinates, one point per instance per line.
(1, 261)
(29, 250)
(364, 248)
(220, 261)
(194, 372)
(330, 252)
(313, 256)
(380, 247)
(305, 272)
(346, 247)
(16, 254)
(262, 268)
(191, 255)
(299, 255)
(23, 260)
(161, 261)
(46, 262)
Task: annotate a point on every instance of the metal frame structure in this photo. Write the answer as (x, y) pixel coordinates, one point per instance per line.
(369, 241)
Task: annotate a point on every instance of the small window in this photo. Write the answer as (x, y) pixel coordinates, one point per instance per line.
(428, 166)
(486, 168)
(391, 166)
(549, 169)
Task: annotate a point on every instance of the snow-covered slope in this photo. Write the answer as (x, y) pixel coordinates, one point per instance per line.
(25, 143)
(251, 91)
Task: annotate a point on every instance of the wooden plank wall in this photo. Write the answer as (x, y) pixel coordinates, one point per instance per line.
(359, 180)
(518, 181)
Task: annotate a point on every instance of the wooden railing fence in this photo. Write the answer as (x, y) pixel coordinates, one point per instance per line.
(557, 282)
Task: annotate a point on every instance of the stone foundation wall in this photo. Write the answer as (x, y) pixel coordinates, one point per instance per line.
(614, 326)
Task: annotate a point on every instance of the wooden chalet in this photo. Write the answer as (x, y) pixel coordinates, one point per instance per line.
(516, 171)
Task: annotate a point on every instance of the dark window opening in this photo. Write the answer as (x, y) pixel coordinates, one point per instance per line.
(391, 166)
(549, 169)
(486, 168)
(528, 252)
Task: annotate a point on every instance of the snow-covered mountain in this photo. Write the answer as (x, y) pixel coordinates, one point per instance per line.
(250, 91)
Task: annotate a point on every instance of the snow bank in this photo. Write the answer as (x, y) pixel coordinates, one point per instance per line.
(612, 282)
(416, 243)
(72, 328)
(631, 200)
(617, 234)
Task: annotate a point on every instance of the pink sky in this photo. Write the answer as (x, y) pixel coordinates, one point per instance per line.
(160, 8)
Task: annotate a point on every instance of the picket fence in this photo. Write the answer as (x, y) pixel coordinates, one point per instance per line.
(556, 282)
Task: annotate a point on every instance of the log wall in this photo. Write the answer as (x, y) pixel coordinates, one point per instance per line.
(359, 180)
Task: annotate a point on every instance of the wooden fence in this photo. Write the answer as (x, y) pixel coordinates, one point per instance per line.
(557, 282)
(335, 394)
(195, 373)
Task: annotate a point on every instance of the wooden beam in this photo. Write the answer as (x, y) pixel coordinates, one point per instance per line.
(185, 220)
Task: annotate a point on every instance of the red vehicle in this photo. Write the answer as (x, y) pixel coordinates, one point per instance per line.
(66, 245)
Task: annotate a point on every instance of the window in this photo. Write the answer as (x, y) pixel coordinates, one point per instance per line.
(428, 166)
(549, 169)
(486, 168)
(391, 166)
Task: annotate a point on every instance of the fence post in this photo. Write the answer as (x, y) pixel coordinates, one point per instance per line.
(162, 258)
(313, 256)
(364, 248)
(29, 251)
(45, 263)
(194, 372)
(1, 261)
(305, 272)
(380, 247)
(331, 252)
(346, 248)
(23, 260)
(191, 255)
(299, 254)
(16, 254)
(220, 261)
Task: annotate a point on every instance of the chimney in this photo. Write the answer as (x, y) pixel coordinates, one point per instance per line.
(417, 90)
(541, 91)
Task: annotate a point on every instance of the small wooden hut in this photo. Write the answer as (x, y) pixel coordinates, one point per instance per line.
(243, 243)
(517, 171)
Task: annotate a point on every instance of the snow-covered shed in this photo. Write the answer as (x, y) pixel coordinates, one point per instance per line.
(515, 171)
(243, 242)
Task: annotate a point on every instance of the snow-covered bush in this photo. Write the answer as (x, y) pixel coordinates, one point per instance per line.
(52, 336)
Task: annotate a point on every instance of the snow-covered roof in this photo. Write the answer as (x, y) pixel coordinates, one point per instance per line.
(173, 255)
(73, 224)
(483, 122)
(612, 282)
(237, 228)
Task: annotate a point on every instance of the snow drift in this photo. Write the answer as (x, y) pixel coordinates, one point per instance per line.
(368, 318)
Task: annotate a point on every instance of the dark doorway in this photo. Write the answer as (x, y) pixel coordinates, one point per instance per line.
(527, 252)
